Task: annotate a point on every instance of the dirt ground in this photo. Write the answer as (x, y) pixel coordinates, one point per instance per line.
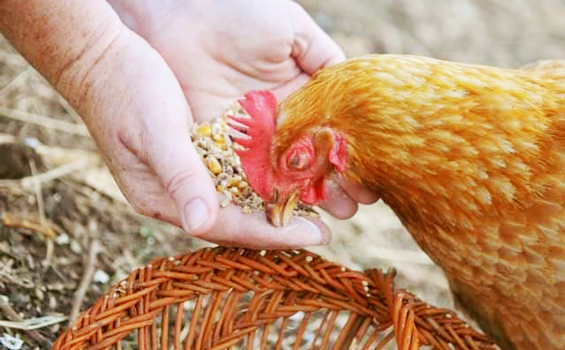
(75, 201)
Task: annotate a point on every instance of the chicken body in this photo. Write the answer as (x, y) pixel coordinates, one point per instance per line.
(472, 160)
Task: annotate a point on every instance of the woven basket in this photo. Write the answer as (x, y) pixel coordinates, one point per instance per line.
(224, 298)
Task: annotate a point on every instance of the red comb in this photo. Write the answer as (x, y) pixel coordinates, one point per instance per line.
(260, 128)
(261, 107)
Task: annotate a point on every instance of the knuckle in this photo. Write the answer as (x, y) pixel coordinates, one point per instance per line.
(180, 180)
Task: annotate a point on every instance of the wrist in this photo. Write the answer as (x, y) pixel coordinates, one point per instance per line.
(56, 36)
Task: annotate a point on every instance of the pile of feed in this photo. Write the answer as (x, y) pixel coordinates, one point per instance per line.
(217, 150)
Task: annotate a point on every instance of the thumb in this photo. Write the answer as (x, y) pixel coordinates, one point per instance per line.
(313, 48)
(186, 180)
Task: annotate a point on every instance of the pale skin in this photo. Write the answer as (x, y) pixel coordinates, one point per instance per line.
(140, 72)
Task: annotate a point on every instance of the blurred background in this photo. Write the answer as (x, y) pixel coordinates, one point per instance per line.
(80, 204)
(500, 33)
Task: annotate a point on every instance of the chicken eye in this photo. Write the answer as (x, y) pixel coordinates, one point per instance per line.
(299, 161)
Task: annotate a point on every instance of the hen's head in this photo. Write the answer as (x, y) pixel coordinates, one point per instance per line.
(284, 175)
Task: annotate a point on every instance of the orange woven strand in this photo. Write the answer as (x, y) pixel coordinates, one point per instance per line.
(220, 298)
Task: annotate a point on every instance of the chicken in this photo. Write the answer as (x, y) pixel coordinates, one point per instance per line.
(471, 159)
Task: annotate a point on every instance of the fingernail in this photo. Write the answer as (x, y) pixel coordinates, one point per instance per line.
(195, 214)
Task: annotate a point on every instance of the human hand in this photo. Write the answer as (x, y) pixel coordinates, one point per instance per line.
(135, 109)
(238, 46)
(220, 50)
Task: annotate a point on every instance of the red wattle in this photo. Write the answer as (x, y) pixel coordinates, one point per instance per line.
(312, 195)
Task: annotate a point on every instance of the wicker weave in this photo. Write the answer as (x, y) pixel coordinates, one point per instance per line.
(218, 298)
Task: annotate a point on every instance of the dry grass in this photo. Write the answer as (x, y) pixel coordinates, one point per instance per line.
(88, 208)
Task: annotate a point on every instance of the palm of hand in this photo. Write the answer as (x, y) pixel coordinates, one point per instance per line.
(236, 48)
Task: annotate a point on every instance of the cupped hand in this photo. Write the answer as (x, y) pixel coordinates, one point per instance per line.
(221, 49)
(125, 85)
(218, 50)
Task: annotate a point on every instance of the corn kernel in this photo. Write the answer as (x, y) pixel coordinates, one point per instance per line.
(234, 190)
(217, 151)
(218, 138)
(235, 181)
(205, 130)
(213, 164)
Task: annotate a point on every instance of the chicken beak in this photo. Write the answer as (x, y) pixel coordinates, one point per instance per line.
(280, 212)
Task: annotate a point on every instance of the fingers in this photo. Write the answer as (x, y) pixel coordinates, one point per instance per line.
(313, 48)
(184, 178)
(141, 187)
(357, 192)
(337, 202)
(343, 196)
(253, 231)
